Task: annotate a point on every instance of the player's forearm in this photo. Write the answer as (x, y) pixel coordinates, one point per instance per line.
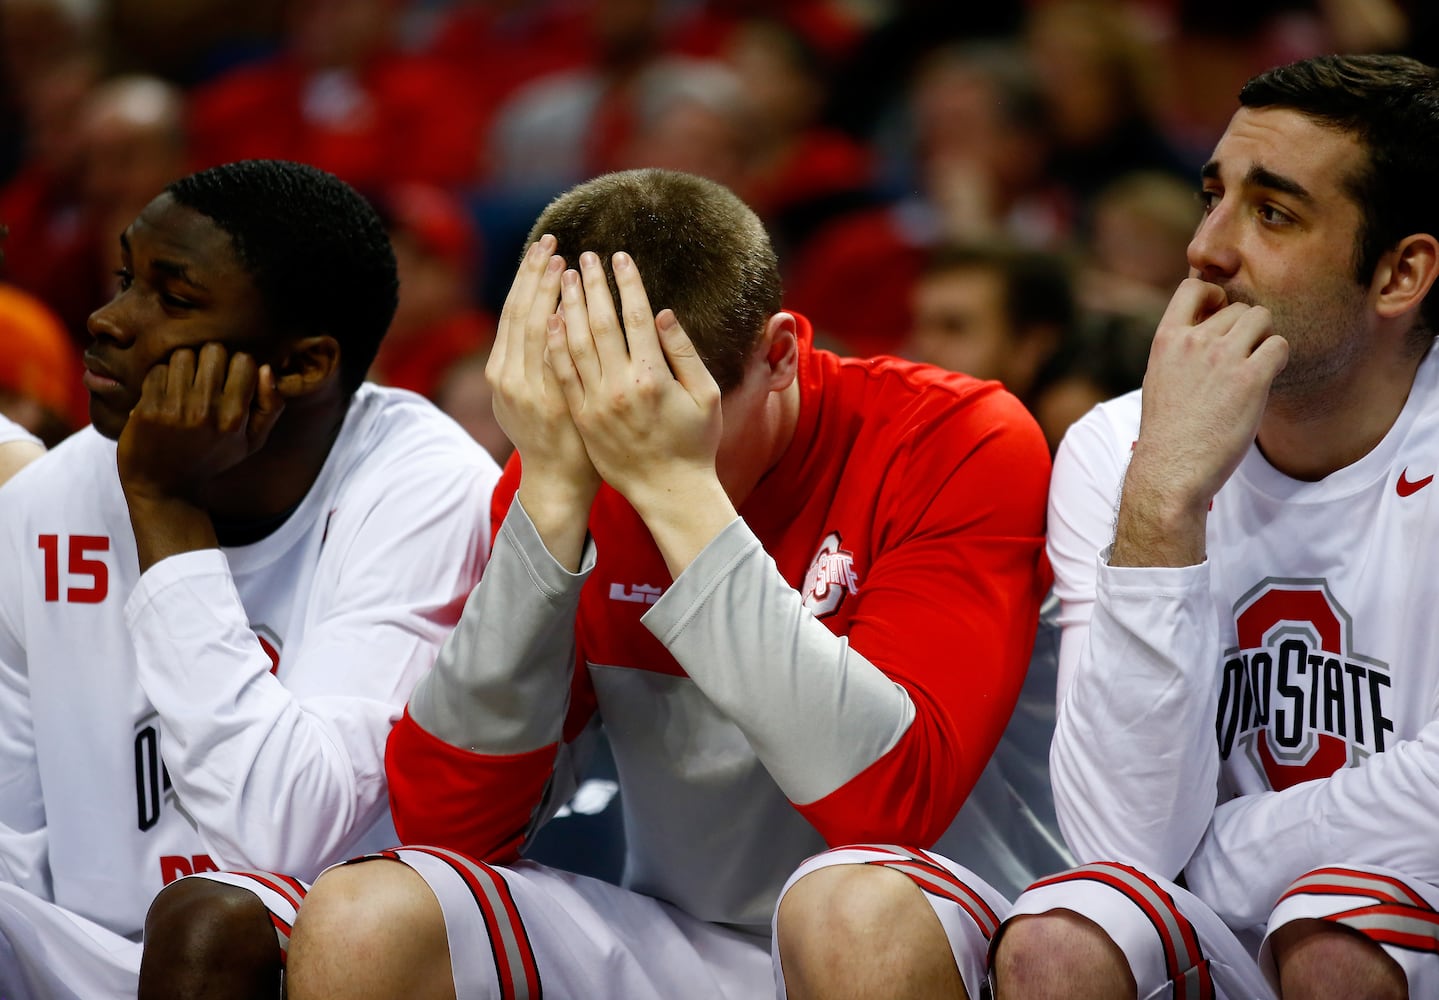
(240, 748)
(1379, 813)
(498, 685)
(470, 761)
(815, 711)
(305, 797)
(478, 804)
(1132, 763)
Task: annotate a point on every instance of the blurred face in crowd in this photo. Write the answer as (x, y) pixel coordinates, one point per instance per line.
(693, 137)
(963, 129)
(132, 145)
(1062, 403)
(960, 322)
(336, 34)
(432, 286)
(785, 98)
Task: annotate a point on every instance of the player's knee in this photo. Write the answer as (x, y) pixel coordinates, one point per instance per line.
(372, 929)
(1059, 954)
(1317, 959)
(843, 914)
(851, 931)
(199, 931)
(833, 906)
(203, 913)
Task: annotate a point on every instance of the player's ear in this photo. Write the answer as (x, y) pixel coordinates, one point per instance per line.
(1405, 275)
(781, 350)
(307, 364)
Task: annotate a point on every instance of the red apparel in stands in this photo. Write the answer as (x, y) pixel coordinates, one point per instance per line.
(500, 51)
(419, 360)
(50, 251)
(819, 163)
(400, 118)
(827, 25)
(855, 279)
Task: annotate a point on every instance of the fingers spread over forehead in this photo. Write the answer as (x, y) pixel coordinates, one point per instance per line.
(511, 328)
(684, 359)
(640, 330)
(574, 339)
(542, 307)
(560, 360)
(604, 324)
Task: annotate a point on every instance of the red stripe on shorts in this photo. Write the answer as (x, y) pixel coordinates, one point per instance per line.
(1116, 876)
(516, 983)
(1324, 882)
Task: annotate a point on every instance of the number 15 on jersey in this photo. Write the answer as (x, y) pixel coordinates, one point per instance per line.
(87, 579)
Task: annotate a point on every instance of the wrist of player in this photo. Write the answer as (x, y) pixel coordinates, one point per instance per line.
(559, 508)
(1158, 529)
(168, 526)
(1175, 485)
(151, 490)
(683, 512)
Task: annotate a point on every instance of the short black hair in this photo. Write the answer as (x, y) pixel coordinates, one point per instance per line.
(1390, 104)
(316, 249)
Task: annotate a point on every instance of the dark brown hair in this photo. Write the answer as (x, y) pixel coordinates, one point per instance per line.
(700, 250)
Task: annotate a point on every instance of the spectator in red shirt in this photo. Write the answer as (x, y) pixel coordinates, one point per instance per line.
(343, 97)
(437, 322)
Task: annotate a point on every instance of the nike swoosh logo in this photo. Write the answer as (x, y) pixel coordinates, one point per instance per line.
(1405, 488)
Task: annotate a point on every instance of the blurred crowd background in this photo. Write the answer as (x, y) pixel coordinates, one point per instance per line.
(1002, 187)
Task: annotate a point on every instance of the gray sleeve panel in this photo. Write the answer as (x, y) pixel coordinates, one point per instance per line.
(816, 712)
(502, 679)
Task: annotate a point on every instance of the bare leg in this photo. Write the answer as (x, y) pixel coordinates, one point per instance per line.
(371, 931)
(860, 931)
(209, 941)
(1060, 954)
(1319, 960)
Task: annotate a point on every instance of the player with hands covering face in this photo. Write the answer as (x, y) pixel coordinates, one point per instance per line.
(647, 409)
(798, 591)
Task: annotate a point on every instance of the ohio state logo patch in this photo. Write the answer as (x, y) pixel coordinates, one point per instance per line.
(1296, 698)
(831, 576)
